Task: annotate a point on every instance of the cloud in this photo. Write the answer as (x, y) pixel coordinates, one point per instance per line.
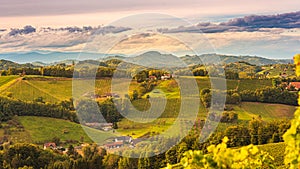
(248, 23)
(93, 30)
(287, 20)
(206, 28)
(66, 38)
(251, 35)
(26, 30)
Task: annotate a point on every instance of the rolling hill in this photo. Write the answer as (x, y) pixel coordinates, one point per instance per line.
(42, 58)
(255, 60)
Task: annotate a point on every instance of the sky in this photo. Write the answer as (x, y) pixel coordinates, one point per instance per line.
(185, 27)
(17, 13)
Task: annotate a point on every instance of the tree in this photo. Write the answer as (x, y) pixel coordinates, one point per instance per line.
(56, 140)
(275, 82)
(135, 95)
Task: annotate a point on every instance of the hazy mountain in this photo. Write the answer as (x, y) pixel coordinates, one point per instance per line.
(149, 59)
(156, 59)
(39, 64)
(6, 64)
(190, 60)
(48, 57)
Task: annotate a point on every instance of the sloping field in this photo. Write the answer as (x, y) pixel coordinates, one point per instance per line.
(267, 111)
(43, 129)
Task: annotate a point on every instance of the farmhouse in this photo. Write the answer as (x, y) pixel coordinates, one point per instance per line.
(114, 145)
(293, 85)
(110, 95)
(50, 146)
(101, 126)
(91, 95)
(284, 75)
(166, 77)
(152, 78)
(123, 139)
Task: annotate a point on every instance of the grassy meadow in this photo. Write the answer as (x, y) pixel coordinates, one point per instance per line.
(43, 129)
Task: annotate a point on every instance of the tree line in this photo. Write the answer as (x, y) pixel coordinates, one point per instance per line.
(264, 95)
(11, 107)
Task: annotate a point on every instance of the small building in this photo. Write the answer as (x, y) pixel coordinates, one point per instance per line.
(293, 85)
(114, 145)
(91, 95)
(152, 78)
(123, 139)
(166, 77)
(110, 95)
(101, 126)
(284, 75)
(50, 146)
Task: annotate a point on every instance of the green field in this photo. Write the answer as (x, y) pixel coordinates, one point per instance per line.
(171, 90)
(42, 129)
(6, 82)
(54, 90)
(248, 110)
(26, 91)
(6, 79)
(57, 89)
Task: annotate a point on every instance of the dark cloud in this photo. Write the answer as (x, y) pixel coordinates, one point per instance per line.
(93, 30)
(287, 20)
(247, 23)
(208, 28)
(26, 30)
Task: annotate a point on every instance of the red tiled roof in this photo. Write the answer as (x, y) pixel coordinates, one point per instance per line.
(295, 84)
(50, 145)
(114, 144)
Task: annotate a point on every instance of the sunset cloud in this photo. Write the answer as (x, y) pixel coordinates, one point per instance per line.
(249, 35)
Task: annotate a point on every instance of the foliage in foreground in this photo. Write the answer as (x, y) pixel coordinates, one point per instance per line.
(220, 156)
(292, 136)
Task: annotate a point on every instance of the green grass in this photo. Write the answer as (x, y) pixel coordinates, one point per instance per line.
(171, 89)
(166, 120)
(54, 90)
(41, 129)
(58, 89)
(6, 82)
(6, 79)
(27, 92)
(248, 110)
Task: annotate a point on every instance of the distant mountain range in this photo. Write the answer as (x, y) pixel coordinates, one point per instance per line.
(5, 64)
(254, 60)
(157, 59)
(151, 58)
(47, 56)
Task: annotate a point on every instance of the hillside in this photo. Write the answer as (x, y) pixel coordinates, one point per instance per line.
(46, 56)
(43, 129)
(42, 58)
(255, 60)
(6, 64)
